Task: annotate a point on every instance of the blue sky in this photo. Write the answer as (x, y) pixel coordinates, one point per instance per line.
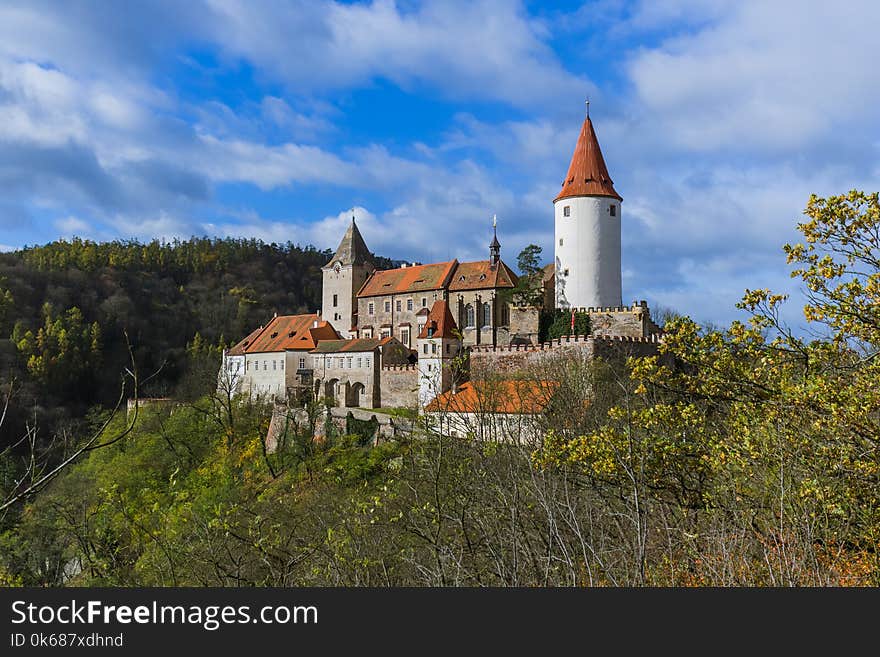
(277, 120)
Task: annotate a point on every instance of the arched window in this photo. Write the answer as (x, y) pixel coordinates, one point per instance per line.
(487, 314)
(470, 316)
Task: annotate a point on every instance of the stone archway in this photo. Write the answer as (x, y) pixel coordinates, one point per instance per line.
(355, 394)
(331, 392)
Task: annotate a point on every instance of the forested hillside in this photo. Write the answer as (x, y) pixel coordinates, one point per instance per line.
(70, 309)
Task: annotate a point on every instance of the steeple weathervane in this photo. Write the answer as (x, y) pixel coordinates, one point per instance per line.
(495, 246)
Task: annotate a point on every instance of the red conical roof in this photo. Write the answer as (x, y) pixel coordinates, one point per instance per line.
(439, 323)
(587, 173)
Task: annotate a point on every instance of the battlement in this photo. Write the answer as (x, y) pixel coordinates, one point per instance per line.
(636, 306)
(400, 368)
(567, 340)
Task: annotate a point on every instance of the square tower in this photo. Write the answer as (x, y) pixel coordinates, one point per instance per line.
(344, 275)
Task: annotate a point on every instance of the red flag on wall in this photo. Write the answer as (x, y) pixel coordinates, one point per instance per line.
(572, 322)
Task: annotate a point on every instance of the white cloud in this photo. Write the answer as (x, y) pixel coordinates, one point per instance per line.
(763, 76)
(74, 227)
(474, 50)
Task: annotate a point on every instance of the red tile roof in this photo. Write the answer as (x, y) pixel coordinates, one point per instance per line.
(241, 347)
(439, 322)
(292, 332)
(482, 275)
(417, 278)
(587, 173)
(504, 396)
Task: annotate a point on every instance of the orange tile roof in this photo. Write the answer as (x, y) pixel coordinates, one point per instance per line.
(482, 275)
(439, 321)
(505, 396)
(292, 332)
(587, 173)
(417, 278)
(241, 347)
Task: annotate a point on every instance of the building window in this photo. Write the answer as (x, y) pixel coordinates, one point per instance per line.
(425, 348)
(565, 272)
(282, 365)
(348, 362)
(409, 304)
(367, 362)
(470, 318)
(360, 363)
(335, 300)
(339, 362)
(368, 332)
(560, 241)
(429, 367)
(302, 363)
(387, 306)
(421, 327)
(566, 211)
(371, 308)
(487, 314)
(433, 347)
(265, 365)
(404, 336)
(424, 302)
(397, 306)
(274, 364)
(385, 333)
(613, 210)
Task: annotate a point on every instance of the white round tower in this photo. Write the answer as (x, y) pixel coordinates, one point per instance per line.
(587, 220)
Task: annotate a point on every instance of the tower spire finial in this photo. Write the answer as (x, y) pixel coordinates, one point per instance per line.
(495, 246)
(587, 101)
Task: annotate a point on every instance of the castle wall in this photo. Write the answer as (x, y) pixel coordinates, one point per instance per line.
(517, 358)
(524, 324)
(633, 321)
(393, 319)
(399, 386)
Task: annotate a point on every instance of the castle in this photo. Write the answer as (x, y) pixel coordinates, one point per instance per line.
(407, 337)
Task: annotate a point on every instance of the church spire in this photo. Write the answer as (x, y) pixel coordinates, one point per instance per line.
(352, 249)
(587, 174)
(495, 246)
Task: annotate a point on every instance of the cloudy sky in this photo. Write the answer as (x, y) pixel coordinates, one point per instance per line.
(277, 120)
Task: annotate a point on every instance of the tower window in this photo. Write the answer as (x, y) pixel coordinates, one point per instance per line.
(612, 209)
(565, 272)
(566, 211)
(560, 241)
(336, 297)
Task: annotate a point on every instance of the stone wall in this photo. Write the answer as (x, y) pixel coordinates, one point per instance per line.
(524, 324)
(632, 321)
(399, 386)
(516, 358)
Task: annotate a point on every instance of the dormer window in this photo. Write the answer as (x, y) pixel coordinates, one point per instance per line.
(291, 334)
(275, 334)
